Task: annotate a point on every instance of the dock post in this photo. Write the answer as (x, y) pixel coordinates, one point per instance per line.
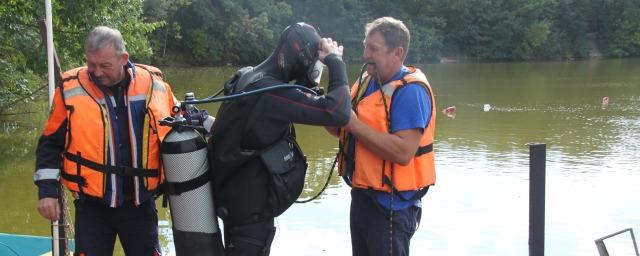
(537, 160)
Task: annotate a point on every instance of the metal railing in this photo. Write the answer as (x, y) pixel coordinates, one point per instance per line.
(602, 249)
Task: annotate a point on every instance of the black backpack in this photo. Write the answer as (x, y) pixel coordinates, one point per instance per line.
(254, 177)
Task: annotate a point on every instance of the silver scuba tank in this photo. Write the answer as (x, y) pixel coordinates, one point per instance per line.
(188, 186)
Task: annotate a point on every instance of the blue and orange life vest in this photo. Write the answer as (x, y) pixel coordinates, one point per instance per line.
(89, 164)
(372, 172)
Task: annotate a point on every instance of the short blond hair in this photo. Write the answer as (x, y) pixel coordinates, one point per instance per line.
(394, 32)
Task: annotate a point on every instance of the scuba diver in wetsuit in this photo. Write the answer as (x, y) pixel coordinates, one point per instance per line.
(258, 169)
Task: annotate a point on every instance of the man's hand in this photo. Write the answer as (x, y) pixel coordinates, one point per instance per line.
(399, 147)
(328, 46)
(353, 119)
(335, 131)
(49, 208)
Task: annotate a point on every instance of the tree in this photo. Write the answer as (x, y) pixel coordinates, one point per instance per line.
(18, 49)
(22, 58)
(342, 20)
(226, 32)
(619, 27)
(73, 20)
(164, 11)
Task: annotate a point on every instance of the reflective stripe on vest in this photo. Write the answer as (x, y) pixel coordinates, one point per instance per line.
(90, 139)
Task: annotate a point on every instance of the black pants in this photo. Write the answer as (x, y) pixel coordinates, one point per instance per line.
(97, 225)
(249, 239)
(370, 227)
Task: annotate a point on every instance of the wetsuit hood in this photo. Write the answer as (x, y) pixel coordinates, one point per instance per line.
(296, 56)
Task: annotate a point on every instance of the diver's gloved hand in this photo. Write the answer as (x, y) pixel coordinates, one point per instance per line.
(198, 117)
(318, 90)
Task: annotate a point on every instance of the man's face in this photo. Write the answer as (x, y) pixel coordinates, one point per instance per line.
(379, 57)
(106, 66)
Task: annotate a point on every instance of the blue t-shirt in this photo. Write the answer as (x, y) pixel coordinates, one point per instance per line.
(410, 109)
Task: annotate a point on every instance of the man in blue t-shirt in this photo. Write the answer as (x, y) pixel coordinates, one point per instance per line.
(395, 141)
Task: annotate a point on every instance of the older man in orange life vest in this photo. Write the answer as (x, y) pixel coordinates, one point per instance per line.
(102, 142)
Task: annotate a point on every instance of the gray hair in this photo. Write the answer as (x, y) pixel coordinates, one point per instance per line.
(394, 32)
(102, 36)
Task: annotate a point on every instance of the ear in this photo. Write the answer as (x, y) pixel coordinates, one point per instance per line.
(398, 53)
(124, 58)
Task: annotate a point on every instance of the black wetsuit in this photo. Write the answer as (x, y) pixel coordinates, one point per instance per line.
(251, 124)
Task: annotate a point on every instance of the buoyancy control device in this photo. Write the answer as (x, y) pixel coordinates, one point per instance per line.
(188, 187)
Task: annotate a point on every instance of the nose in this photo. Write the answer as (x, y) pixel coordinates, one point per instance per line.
(97, 72)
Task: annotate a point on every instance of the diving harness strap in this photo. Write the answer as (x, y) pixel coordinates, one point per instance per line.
(107, 169)
(176, 188)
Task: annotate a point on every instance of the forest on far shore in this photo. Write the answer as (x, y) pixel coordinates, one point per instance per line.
(243, 32)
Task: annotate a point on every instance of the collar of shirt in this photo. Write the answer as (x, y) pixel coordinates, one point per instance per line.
(374, 85)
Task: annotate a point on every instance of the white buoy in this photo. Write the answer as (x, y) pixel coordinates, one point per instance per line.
(487, 107)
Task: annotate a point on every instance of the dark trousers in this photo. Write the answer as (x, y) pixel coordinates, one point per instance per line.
(370, 227)
(97, 225)
(249, 239)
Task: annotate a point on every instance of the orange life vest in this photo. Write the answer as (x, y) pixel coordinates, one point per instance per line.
(372, 172)
(89, 165)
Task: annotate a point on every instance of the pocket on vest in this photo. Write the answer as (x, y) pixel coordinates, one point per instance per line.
(287, 168)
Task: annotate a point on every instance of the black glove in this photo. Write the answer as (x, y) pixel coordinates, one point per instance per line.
(319, 90)
(195, 116)
(198, 117)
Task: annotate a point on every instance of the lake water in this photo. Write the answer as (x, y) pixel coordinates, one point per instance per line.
(480, 203)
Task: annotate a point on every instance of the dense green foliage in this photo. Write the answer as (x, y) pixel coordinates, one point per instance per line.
(205, 32)
(243, 32)
(22, 54)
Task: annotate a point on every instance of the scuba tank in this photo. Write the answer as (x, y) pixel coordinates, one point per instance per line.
(188, 186)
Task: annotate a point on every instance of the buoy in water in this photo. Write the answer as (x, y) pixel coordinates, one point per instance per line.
(450, 111)
(605, 102)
